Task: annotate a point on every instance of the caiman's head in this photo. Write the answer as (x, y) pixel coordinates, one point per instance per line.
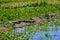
(49, 17)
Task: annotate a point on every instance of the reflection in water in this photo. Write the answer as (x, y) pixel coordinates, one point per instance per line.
(44, 35)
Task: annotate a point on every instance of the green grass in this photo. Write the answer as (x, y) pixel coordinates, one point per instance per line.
(27, 12)
(9, 11)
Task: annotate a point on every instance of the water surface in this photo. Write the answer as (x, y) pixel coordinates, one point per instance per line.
(53, 34)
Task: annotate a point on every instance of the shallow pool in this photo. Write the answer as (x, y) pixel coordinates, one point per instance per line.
(53, 34)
